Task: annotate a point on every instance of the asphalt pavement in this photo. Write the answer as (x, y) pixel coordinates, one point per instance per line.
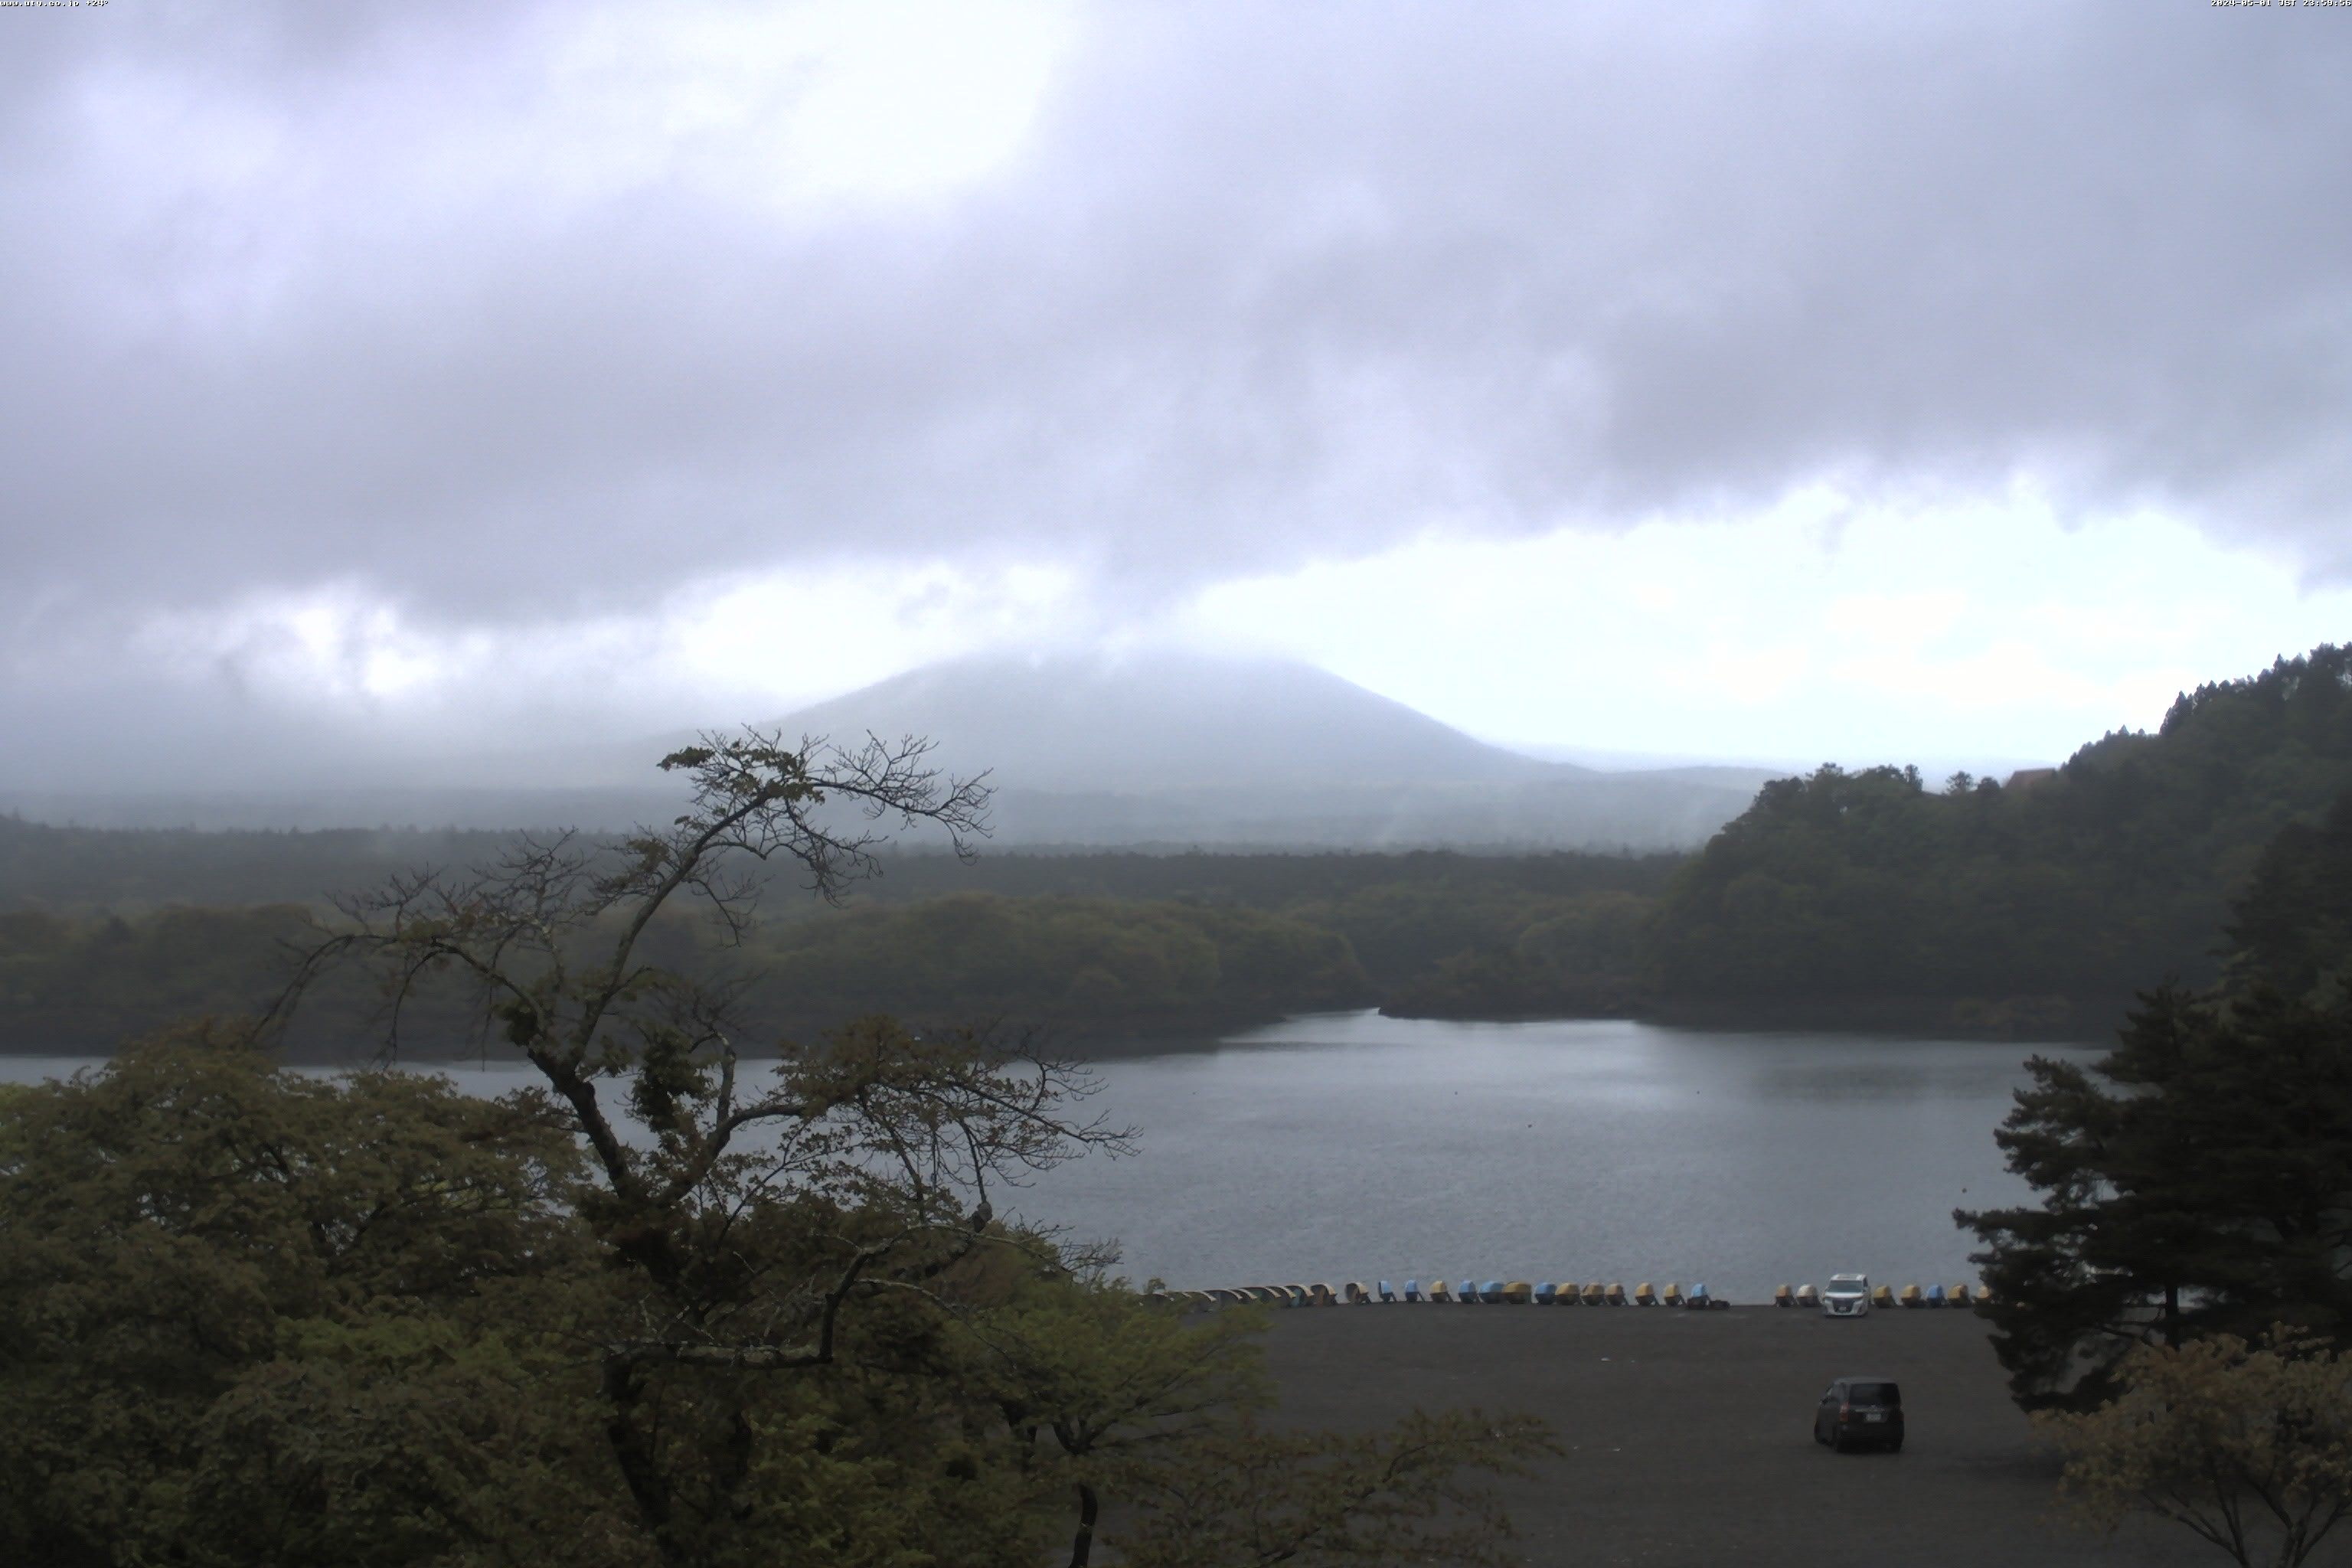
(1690, 1433)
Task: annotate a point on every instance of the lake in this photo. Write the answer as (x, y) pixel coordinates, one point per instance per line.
(1350, 1146)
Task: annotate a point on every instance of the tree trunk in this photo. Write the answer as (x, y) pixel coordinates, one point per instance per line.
(1082, 1546)
(634, 1454)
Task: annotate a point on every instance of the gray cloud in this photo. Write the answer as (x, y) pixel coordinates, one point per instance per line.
(286, 301)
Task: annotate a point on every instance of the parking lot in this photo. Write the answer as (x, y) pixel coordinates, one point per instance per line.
(1690, 1433)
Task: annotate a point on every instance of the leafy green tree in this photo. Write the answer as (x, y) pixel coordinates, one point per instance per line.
(1098, 1386)
(783, 1244)
(250, 1316)
(1116, 1398)
(2247, 1448)
(247, 1315)
(1243, 1496)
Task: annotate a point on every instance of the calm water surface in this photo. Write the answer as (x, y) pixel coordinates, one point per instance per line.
(1355, 1147)
(1351, 1146)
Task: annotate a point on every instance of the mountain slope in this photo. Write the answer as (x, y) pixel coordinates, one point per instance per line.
(1174, 751)
(1161, 721)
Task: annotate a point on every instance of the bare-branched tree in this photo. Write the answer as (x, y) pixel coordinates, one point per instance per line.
(751, 1209)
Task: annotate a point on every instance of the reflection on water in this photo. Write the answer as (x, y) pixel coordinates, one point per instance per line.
(1355, 1147)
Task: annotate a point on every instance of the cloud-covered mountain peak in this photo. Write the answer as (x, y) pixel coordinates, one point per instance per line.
(1159, 719)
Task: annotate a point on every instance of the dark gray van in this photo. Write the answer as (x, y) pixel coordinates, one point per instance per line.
(1860, 1413)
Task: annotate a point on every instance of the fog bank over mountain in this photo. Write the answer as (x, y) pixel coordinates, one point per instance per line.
(1177, 749)
(1160, 750)
(1158, 721)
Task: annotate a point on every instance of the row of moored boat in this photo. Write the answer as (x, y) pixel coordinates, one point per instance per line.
(1487, 1292)
(1887, 1296)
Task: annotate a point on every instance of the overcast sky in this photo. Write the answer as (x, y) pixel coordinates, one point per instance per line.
(1780, 381)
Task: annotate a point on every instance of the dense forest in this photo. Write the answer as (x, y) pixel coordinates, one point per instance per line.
(171, 924)
(1871, 898)
(127, 872)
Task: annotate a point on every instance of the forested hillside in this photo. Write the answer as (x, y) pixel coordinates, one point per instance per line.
(105, 934)
(2293, 930)
(70, 983)
(1056, 961)
(1403, 912)
(1410, 917)
(123, 870)
(1098, 967)
(1866, 897)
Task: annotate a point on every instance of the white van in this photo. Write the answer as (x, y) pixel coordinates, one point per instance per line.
(1848, 1296)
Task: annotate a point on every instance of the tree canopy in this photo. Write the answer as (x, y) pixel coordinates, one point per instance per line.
(2248, 1447)
(2198, 1181)
(251, 1316)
